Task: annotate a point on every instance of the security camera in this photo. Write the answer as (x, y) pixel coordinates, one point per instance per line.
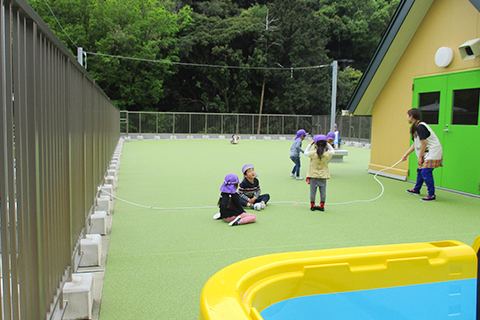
(470, 49)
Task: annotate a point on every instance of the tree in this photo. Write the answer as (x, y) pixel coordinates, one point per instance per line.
(356, 27)
(142, 30)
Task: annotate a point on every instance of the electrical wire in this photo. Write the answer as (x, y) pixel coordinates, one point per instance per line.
(207, 65)
(58, 22)
(278, 202)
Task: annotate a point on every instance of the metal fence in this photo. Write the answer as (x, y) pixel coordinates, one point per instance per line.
(356, 128)
(58, 133)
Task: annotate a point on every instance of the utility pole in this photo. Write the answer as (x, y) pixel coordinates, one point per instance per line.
(268, 27)
(334, 95)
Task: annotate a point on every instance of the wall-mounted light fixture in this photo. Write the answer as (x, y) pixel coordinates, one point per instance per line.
(443, 57)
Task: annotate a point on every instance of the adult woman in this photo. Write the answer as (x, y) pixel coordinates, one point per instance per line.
(429, 153)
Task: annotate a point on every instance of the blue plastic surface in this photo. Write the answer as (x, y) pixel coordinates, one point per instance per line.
(441, 300)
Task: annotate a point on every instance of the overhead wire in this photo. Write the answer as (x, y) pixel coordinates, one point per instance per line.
(58, 22)
(291, 69)
(207, 65)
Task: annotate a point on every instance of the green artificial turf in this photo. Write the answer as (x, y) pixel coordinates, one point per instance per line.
(159, 260)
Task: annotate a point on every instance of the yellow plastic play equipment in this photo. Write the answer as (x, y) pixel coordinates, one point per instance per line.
(447, 270)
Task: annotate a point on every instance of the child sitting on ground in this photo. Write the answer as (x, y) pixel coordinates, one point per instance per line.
(231, 210)
(249, 190)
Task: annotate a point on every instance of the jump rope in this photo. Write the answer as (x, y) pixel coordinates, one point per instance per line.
(277, 202)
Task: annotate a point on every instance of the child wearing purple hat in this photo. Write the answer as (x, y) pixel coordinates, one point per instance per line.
(331, 137)
(295, 153)
(318, 171)
(231, 210)
(249, 190)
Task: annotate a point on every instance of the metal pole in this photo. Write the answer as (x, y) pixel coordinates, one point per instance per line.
(334, 95)
(80, 55)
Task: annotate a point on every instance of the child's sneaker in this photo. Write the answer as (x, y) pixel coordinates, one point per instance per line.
(317, 208)
(412, 191)
(299, 178)
(432, 198)
(216, 216)
(292, 174)
(235, 222)
(258, 206)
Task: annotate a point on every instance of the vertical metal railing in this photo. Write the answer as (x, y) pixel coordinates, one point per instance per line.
(356, 128)
(58, 131)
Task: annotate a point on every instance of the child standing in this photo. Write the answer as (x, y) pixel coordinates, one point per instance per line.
(295, 153)
(249, 190)
(429, 153)
(231, 209)
(331, 138)
(318, 171)
(337, 141)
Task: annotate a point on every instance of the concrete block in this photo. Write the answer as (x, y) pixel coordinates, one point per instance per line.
(111, 180)
(79, 295)
(253, 138)
(127, 139)
(103, 204)
(107, 190)
(339, 154)
(267, 138)
(205, 136)
(139, 137)
(99, 222)
(173, 137)
(91, 247)
(113, 167)
(157, 138)
(112, 172)
(282, 138)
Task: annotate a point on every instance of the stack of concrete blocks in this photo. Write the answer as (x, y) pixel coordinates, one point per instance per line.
(79, 294)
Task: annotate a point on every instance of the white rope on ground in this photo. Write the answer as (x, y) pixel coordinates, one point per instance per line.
(277, 202)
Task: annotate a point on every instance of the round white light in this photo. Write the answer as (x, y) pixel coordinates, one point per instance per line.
(443, 57)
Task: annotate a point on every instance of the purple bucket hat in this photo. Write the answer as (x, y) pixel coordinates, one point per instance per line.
(319, 137)
(228, 185)
(331, 135)
(300, 133)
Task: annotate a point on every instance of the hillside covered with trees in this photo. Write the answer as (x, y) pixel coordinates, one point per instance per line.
(222, 56)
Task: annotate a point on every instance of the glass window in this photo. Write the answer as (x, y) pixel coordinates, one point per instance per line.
(465, 106)
(428, 103)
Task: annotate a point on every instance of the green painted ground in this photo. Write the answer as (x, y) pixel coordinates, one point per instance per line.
(159, 260)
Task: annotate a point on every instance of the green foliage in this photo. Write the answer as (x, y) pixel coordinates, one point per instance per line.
(356, 27)
(282, 34)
